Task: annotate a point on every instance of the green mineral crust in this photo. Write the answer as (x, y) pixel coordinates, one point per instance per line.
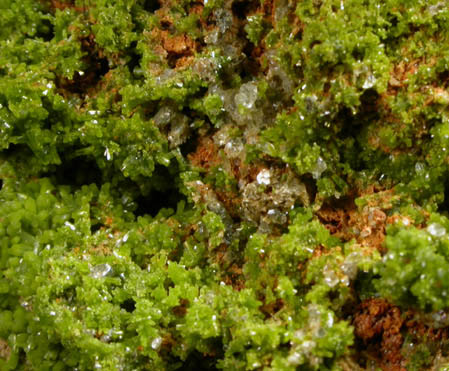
(224, 185)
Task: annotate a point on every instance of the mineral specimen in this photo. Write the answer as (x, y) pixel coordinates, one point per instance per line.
(224, 184)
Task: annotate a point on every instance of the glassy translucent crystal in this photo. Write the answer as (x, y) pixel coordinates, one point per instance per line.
(369, 82)
(319, 168)
(436, 230)
(156, 343)
(330, 277)
(349, 266)
(264, 177)
(224, 19)
(295, 358)
(178, 131)
(234, 148)
(247, 95)
(163, 116)
(100, 270)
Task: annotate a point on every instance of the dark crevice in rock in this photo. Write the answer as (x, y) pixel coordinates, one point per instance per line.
(369, 100)
(45, 30)
(250, 66)
(76, 172)
(19, 149)
(350, 124)
(165, 25)
(443, 78)
(164, 195)
(443, 207)
(97, 66)
(95, 227)
(134, 58)
(129, 305)
(353, 125)
(190, 145)
(157, 200)
(241, 9)
(151, 5)
(311, 186)
(199, 362)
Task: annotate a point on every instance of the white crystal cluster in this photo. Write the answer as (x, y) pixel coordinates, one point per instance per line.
(268, 199)
(175, 124)
(306, 339)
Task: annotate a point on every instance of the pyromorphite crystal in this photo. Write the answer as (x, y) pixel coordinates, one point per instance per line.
(227, 184)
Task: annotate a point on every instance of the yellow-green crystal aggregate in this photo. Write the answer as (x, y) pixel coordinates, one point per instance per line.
(118, 251)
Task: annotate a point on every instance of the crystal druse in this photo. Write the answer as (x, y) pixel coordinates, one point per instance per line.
(224, 184)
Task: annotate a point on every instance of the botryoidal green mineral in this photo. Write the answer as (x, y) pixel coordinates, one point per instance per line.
(224, 184)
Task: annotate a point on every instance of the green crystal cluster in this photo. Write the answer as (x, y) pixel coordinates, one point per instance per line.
(220, 184)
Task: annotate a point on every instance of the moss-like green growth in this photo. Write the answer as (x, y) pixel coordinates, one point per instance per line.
(226, 184)
(413, 271)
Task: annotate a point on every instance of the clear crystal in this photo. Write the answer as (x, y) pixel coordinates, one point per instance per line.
(100, 270)
(178, 132)
(156, 343)
(349, 266)
(163, 116)
(330, 277)
(223, 19)
(436, 230)
(212, 37)
(369, 81)
(319, 168)
(247, 95)
(264, 177)
(234, 148)
(295, 358)
(107, 154)
(419, 167)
